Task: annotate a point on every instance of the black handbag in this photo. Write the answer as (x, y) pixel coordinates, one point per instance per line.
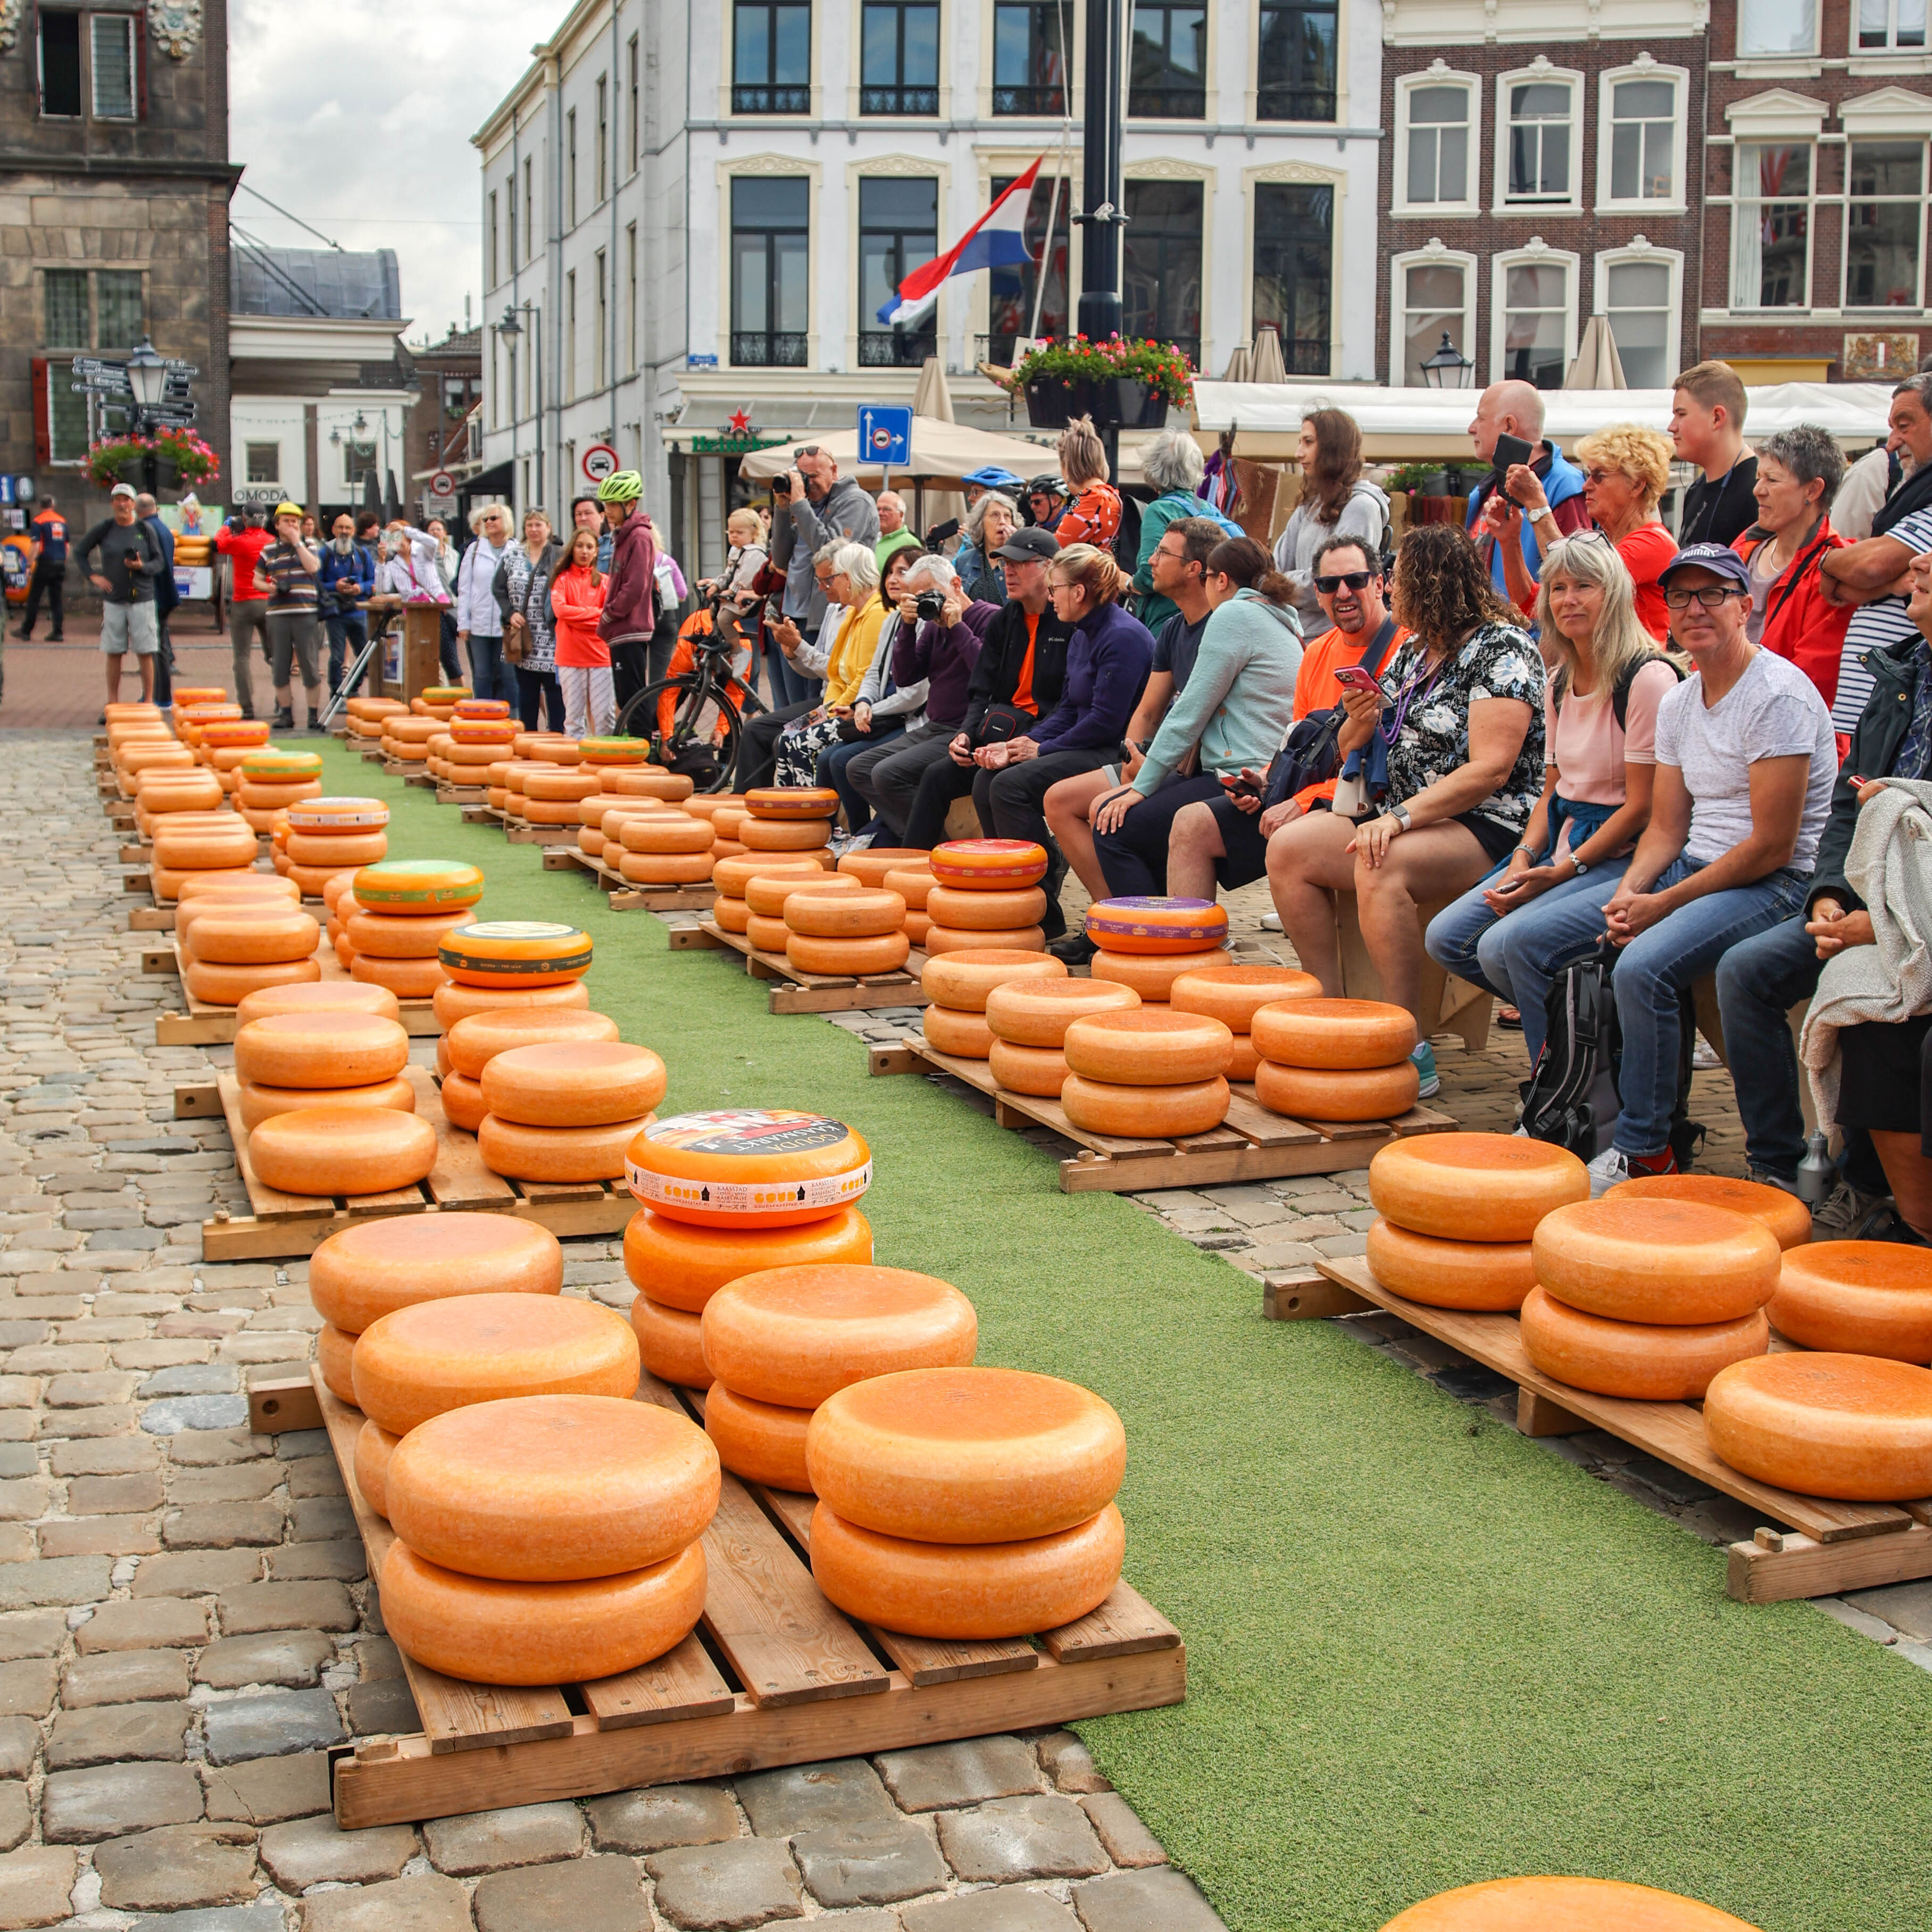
(1307, 756)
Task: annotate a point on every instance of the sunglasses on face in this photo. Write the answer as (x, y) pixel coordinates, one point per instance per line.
(1711, 596)
(1356, 580)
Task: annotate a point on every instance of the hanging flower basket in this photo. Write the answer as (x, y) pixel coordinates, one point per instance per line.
(1120, 383)
(180, 457)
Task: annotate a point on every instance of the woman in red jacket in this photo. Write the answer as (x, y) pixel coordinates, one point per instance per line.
(583, 657)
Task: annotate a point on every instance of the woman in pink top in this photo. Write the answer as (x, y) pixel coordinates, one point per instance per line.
(1542, 908)
(583, 657)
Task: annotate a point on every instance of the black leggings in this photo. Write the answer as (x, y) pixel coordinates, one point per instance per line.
(534, 689)
(1133, 856)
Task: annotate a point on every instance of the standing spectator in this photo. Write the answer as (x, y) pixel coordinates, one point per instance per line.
(1799, 472)
(166, 598)
(629, 615)
(1336, 501)
(479, 624)
(672, 592)
(47, 537)
(130, 560)
(447, 563)
(1171, 463)
(893, 534)
(521, 589)
(1093, 517)
(347, 580)
(1707, 427)
(578, 600)
(291, 569)
(1867, 483)
(990, 520)
(242, 540)
(587, 514)
(1515, 408)
(812, 505)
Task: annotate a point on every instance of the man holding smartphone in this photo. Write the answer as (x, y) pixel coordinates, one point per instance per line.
(1506, 429)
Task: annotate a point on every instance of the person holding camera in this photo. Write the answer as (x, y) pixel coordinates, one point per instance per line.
(242, 540)
(347, 582)
(812, 505)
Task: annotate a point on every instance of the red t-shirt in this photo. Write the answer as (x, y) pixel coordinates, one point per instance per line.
(1646, 551)
(246, 547)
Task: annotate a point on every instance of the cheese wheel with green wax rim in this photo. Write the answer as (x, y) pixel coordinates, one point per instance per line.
(762, 1441)
(272, 766)
(515, 952)
(1855, 1428)
(1341, 1035)
(680, 1265)
(1157, 925)
(1562, 1905)
(374, 1267)
(1639, 1361)
(417, 885)
(1643, 1259)
(752, 1167)
(1473, 1187)
(1856, 1298)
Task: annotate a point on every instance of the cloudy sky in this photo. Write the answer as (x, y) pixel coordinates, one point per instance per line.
(357, 117)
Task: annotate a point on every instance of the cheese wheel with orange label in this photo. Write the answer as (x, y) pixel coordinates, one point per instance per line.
(987, 910)
(671, 1343)
(989, 863)
(374, 1446)
(1234, 995)
(886, 952)
(780, 803)
(259, 1103)
(766, 892)
(331, 1049)
(913, 883)
(1649, 1259)
(374, 1267)
(418, 885)
(1345, 1035)
(1637, 1360)
(1036, 1012)
(762, 1441)
(564, 1154)
(1473, 1187)
(682, 1266)
(1855, 1298)
(1038, 1070)
(867, 913)
(1787, 1217)
(962, 981)
(389, 935)
(1451, 1274)
(341, 996)
(1311, 1093)
(326, 1150)
(552, 1488)
(751, 1167)
(573, 1083)
(964, 1036)
(464, 1105)
(451, 1002)
(1562, 1905)
(1856, 1428)
(973, 1593)
(1140, 1049)
(217, 985)
(334, 1354)
(1157, 925)
(1145, 1113)
(731, 876)
(474, 1042)
(1152, 975)
(407, 978)
(515, 952)
(871, 864)
(1002, 939)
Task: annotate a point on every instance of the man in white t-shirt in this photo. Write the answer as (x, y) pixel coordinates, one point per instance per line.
(1745, 762)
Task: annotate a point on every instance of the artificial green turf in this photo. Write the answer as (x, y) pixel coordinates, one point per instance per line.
(1422, 1651)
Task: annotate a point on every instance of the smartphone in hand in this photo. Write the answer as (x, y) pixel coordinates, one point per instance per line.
(1353, 677)
(1510, 449)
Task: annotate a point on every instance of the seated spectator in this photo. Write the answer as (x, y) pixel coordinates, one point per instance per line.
(989, 523)
(1515, 408)
(1799, 472)
(881, 708)
(1337, 501)
(1459, 724)
(1543, 909)
(1170, 462)
(846, 657)
(1745, 760)
(1093, 517)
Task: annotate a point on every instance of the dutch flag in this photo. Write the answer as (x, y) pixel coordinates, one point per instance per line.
(997, 240)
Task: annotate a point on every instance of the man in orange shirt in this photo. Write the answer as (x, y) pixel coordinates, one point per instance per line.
(1225, 840)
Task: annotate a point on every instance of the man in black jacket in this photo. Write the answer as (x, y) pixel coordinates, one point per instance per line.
(1761, 979)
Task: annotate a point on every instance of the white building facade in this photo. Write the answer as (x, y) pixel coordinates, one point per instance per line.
(697, 213)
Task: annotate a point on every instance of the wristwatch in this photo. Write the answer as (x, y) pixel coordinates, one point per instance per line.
(1537, 516)
(1578, 867)
(1399, 813)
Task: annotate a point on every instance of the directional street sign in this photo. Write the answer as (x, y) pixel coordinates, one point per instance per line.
(885, 435)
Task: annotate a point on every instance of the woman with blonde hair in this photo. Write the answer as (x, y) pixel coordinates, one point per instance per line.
(1335, 501)
(1093, 517)
(1542, 907)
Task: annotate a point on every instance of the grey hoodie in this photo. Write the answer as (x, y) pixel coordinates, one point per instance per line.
(1366, 515)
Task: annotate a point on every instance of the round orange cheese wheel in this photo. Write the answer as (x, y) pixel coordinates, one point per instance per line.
(338, 815)
(464, 1105)
(389, 935)
(664, 869)
(966, 1455)
(1857, 1428)
(260, 1103)
(1473, 1187)
(1641, 1361)
(515, 952)
(1310, 1094)
(374, 1268)
(885, 952)
(552, 1488)
(770, 1168)
(229, 985)
(1040, 1070)
(255, 907)
(782, 834)
(1856, 1298)
(961, 981)
(198, 847)
(1243, 1062)
(238, 883)
(329, 996)
(451, 1003)
(474, 1042)
(1346, 1034)
(766, 892)
(913, 883)
(323, 1150)
(993, 863)
(669, 1339)
(708, 805)
(730, 915)
(1152, 975)
(1145, 1113)
(330, 1049)
(373, 1448)
(1562, 1905)
(631, 782)
(981, 939)
(964, 1036)
(486, 708)
(761, 1441)
(975, 1592)
(321, 849)
(872, 864)
(573, 1083)
(614, 751)
(1451, 1274)
(161, 790)
(271, 767)
(418, 885)
(767, 935)
(918, 927)
(778, 802)
(565, 1154)
(794, 1336)
(863, 914)
(486, 1631)
(731, 876)
(663, 832)
(680, 1265)
(1646, 1259)
(987, 910)
(407, 978)
(1787, 1217)
(312, 879)
(549, 788)
(1234, 995)
(1138, 1048)
(1037, 1012)
(335, 1353)
(1157, 925)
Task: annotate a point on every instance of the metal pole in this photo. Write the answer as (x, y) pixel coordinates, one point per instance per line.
(1100, 246)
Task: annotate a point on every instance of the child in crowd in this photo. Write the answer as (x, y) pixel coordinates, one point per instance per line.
(583, 657)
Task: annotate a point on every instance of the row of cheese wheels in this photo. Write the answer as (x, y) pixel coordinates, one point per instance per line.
(389, 921)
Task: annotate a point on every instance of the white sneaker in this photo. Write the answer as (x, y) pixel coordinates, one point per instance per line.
(1271, 922)
(1609, 1167)
(1704, 1055)
(859, 840)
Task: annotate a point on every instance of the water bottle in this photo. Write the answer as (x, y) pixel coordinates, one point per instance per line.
(1816, 1172)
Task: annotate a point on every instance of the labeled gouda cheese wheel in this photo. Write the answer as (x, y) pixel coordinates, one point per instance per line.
(761, 1441)
(388, 935)
(1638, 1361)
(325, 1049)
(1646, 1259)
(515, 952)
(1855, 1298)
(965, 1036)
(486, 1631)
(781, 802)
(732, 875)
(418, 885)
(564, 1154)
(1036, 1012)
(1152, 975)
(1562, 1905)
(464, 1105)
(1234, 995)
(766, 892)
(374, 1268)
(475, 1041)
(342, 1150)
(794, 1336)
(682, 1266)
(335, 1353)
(864, 914)
(767, 935)
(407, 978)
(230, 884)
(1473, 1187)
(993, 863)
(962, 981)
(1367, 1093)
(1157, 925)
(1346, 1034)
(669, 1339)
(451, 1002)
(260, 1103)
(730, 915)
(343, 996)
(664, 869)
(664, 832)
(782, 834)
(1140, 1049)
(1451, 1274)
(552, 1488)
(912, 883)
(218, 985)
(573, 1083)
(986, 910)
(1858, 1428)
(886, 952)
(1145, 1113)
(1787, 1217)
(1002, 939)
(338, 815)
(770, 1168)
(1040, 1070)
(345, 848)
(373, 1448)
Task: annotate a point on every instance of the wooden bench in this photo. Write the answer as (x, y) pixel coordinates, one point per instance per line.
(1459, 1008)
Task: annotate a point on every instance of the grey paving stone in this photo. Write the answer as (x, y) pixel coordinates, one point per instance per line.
(481, 1841)
(717, 1888)
(968, 1773)
(274, 1657)
(19, 1743)
(189, 1379)
(382, 1708)
(117, 1733)
(22, 1501)
(868, 1864)
(68, 1580)
(1163, 1901)
(178, 1866)
(27, 1687)
(19, 1459)
(141, 1626)
(269, 1789)
(314, 1476)
(217, 1918)
(603, 1893)
(109, 1456)
(1906, 1606)
(228, 1482)
(314, 1851)
(811, 1797)
(16, 1815)
(176, 1414)
(280, 1606)
(297, 1444)
(376, 1656)
(1128, 1841)
(31, 1633)
(427, 1904)
(197, 1572)
(667, 1815)
(1011, 1838)
(304, 1562)
(222, 1525)
(34, 1884)
(200, 1447)
(271, 1726)
(124, 1677)
(321, 1520)
(114, 1496)
(1008, 1909)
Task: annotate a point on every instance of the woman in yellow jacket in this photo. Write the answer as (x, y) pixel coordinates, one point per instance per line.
(842, 661)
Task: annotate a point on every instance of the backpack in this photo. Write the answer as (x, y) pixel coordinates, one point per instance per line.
(1620, 696)
(1126, 544)
(1307, 754)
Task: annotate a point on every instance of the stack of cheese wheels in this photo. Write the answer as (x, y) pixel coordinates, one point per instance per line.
(374, 1268)
(439, 700)
(731, 910)
(1147, 943)
(481, 732)
(1647, 1298)
(770, 889)
(189, 718)
(1335, 1060)
(706, 806)
(1562, 1905)
(406, 739)
(662, 848)
(404, 908)
(780, 1342)
(1147, 1073)
(723, 1177)
(342, 1150)
(329, 838)
(871, 863)
(957, 985)
(788, 819)
(567, 1110)
(858, 932)
(552, 796)
(600, 817)
(968, 1504)
(492, 965)
(187, 843)
(1784, 1214)
(332, 1058)
(160, 753)
(726, 823)
(235, 939)
(1855, 1298)
(986, 893)
(224, 746)
(913, 881)
(470, 1044)
(160, 793)
(271, 778)
(548, 1539)
(1027, 1019)
(366, 715)
(1234, 995)
(1458, 1211)
(1856, 1428)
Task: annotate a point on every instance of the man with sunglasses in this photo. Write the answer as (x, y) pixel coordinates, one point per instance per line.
(812, 505)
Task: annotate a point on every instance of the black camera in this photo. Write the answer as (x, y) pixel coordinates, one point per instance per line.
(782, 485)
(931, 605)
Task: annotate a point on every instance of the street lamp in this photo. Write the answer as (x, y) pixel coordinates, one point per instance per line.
(147, 376)
(1447, 369)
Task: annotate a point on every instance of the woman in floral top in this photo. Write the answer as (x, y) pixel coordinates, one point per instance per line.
(522, 591)
(1457, 726)
(1093, 517)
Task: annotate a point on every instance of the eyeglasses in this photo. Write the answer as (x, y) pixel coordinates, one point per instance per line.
(1356, 580)
(1711, 596)
(1592, 536)
(810, 449)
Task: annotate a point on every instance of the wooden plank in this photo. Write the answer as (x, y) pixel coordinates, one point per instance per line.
(201, 1102)
(269, 1204)
(1537, 1415)
(683, 1683)
(1248, 1116)
(1125, 1624)
(1354, 1130)
(152, 918)
(274, 1408)
(699, 938)
(1305, 1294)
(1802, 1567)
(883, 1060)
(459, 1179)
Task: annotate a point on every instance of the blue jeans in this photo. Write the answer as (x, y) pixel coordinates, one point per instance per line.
(832, 764)
(1516, 958)
(489, 676)
(1657, 966)
(789, 685)
(446, 649)
(348, 632)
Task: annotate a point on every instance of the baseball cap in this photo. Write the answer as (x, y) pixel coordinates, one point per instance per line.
(1030, 545)
(1718, 559)
(123, 489)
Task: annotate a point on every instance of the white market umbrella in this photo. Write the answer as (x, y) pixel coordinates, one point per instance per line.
(1268, 365)
(1598, 365)
(932, 397)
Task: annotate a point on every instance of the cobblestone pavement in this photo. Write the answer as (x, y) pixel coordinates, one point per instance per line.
(61, 686)
(185, 1624)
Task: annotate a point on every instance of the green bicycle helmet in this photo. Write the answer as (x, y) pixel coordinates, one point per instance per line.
(622, 486)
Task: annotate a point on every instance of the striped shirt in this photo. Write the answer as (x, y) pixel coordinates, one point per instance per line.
(291, 587)
(1874, 625)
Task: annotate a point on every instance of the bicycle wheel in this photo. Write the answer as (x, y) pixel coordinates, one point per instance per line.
(704, 729)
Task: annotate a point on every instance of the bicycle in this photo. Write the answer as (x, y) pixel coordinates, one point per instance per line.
(692, 718)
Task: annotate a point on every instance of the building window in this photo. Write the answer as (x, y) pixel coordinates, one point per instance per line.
(603, 139)
(1030, 58)
(111, 315)
(517, 411)
(1885, 223)
(570, 336)
(511, 199)
(771, 70)
(111, 44)
(601, 370)
(119, 309)
(1013, 291)
(1534, 329)
(898, 228)
(771, 290)
(1638, 301)
(265, 462)
(530, 213)
(1435, 302)
(495, 275)
(1297, 47)
(1160, 266)
(631, 89)
(631, 299)
(899, 58)
(1294, 238)
(570, 166)
(1770, 226)
(1538, 138)
(68, 325)
(60, 66)
(1643, 139)
(1168, 61)
(1435, 127)
(1774, 27)
(1891, 26)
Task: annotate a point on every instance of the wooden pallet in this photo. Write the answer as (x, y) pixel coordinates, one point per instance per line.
(625, 897)
(206, 1025)
(449, 794)
(1824, 1547)
(1251, 1144)
(773, 1675)
(797, 991)
(297, 1224)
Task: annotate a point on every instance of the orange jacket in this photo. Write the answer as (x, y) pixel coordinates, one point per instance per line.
(1798, 625)
(577, 598)
(684, 657)
(1316, 689)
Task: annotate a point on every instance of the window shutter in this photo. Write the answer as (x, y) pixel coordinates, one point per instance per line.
(42, 443)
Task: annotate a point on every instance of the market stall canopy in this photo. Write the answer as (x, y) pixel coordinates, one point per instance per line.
(942, 451)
